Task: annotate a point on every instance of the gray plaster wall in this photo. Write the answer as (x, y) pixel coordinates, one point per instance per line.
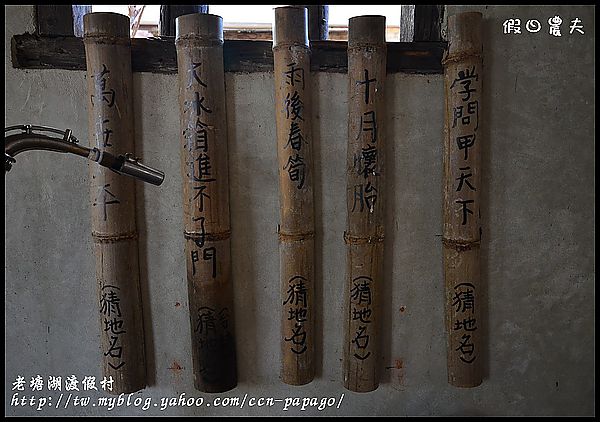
(537, 250)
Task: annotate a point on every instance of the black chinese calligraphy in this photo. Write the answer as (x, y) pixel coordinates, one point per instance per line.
(463, 114)
(366, 82)
(361, 340)
(463, 302)
(196, 137)
(293, 106)
(197, 105)
(103, 134)
(296, 170)
(113, 324)
(214, 340)
(465, 142)
(105, 198)
(298, 339)
(360, 304)
(208, 254)
(295, 75)
(203, 165)
(295, 138)
(361, 291)
(211, 324)
(297, 291)
(365, 196)
(365, 164)
(465, 78)
(368, 124)
(465, 210)
(199, 241)
(200, 194)
(464, 179)
(194, 75)
(465, 122)
(297, 308)
(107, 95)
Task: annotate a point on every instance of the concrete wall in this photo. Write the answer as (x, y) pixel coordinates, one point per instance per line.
(537, 251)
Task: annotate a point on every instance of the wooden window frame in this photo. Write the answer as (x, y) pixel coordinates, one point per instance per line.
(57, 44)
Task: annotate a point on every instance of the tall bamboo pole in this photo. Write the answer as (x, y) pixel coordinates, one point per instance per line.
(204, 168)
(364, 200)
(462, 176)
(111, 128)
(296, 231)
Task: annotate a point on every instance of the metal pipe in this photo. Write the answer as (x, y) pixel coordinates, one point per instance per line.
(27, 140)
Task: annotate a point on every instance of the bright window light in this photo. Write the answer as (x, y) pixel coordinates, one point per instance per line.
(259, 18)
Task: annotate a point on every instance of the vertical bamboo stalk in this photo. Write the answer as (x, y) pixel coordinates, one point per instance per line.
(296, 231)
(364, 200)
(111, 128)
(204, 167)
(462, 176)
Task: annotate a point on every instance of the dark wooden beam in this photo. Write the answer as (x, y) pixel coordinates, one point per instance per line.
(54, 19)
(168, 14)
(428, 22)
(318, 22)
(157, 55)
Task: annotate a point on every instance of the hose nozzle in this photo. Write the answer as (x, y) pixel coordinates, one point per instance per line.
(128, 165)
(132, 167)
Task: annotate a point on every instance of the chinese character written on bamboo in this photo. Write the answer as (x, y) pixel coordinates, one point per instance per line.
(104, 198)
(103, 131)
(102, 95)
(199, 165)
(297, 309)
(294, 108)
(365, 163)
(212, 328)
(464, 320)
(466, 123)
(113, 324)
(360, 304)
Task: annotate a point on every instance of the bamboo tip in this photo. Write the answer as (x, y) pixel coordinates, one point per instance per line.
(465, 18)
(291, 25)
(366, 29)
(106, 24)
(464, 32)
(200, 25)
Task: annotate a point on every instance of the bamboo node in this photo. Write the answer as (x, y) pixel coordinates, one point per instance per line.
(295, 237)
(461, 245)
(213, 237)
(375, 47)
(361, 240)
(187, 41)
(460, 56)
(113, 238)
(106, 39)
(287, 45)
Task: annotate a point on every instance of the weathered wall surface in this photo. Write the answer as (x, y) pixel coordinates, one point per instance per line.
(538, 235)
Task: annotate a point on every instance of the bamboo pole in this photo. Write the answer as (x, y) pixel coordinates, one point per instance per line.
(204, 168)
(462, 176)
(111, 128)
(296, 231)
(364, 193)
